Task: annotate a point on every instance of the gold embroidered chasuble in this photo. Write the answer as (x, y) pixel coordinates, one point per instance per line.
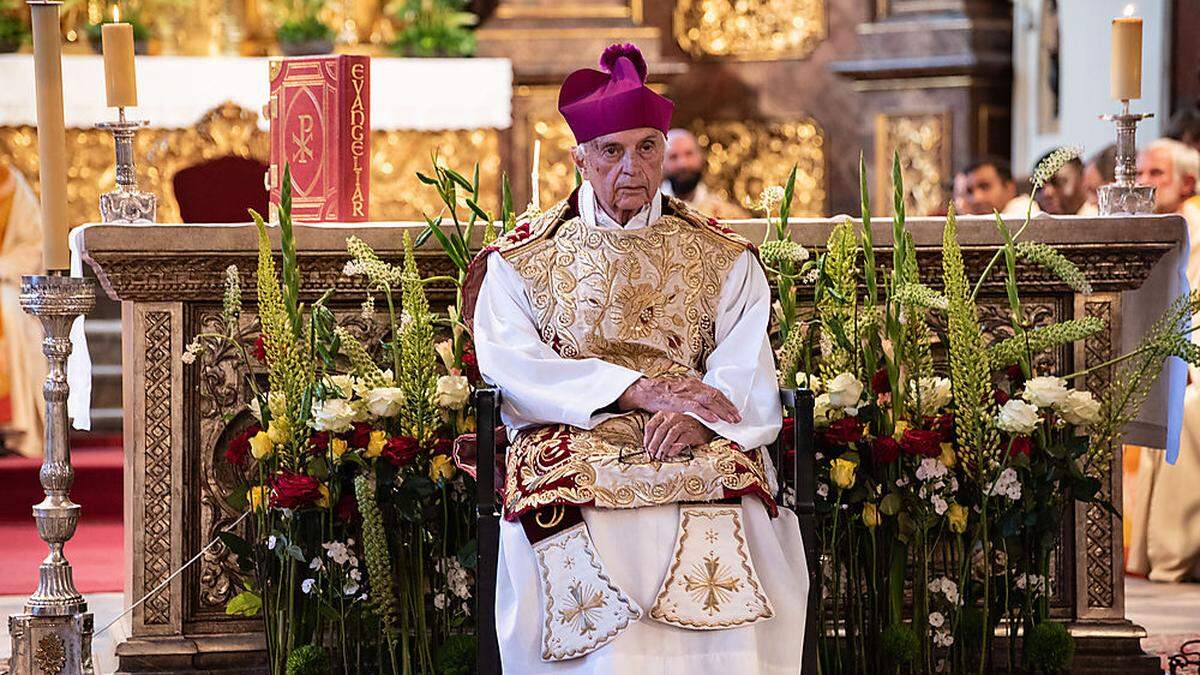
(645, 299)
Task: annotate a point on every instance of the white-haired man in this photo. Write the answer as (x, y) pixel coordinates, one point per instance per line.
(628, 335)
(1165, 536)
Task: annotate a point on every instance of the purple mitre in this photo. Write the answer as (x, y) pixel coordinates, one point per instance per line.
(596, 103)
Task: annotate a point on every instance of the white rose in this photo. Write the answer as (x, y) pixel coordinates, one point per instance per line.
(1045, 392)
(1079, 408)
(844, 391)
(385, 401)
(1017, 417)
(936, 619)
(807, 381)
(453, 391)
(342, 385)
(334, 414)
(935, 392)
(823, 410)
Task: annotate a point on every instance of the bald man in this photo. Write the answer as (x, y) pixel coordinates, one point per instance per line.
(683, 171)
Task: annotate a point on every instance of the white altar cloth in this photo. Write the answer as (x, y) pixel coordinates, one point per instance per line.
(175, 91)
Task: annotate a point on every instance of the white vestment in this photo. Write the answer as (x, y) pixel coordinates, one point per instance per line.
(636, 545)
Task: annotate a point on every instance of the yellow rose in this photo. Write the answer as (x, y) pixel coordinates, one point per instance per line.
(323, 501)
(870, 515)
(279, 432)
(901, 427)
(261, 445)
(258, 497)
(338, 447)
(375, 445)
(947, 457)
(441, 466)
(957, 515)
(842, 473)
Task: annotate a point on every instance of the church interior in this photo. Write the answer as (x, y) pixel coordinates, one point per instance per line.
(172, 115)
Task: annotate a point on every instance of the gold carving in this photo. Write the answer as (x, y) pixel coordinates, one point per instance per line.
(156, 506)
(746, 156)
(396, 194)
(923, 142)
(51, 655)
(750, 29)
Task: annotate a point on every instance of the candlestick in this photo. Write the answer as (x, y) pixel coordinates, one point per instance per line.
(120, 79)
(1125, 195)
(51, 132)
(1127, 57)
(126, 204)
(54, 632)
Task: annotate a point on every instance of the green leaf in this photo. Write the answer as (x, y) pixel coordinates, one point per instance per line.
(506, 203)
(246, 603)
(295, 552)
(239, 546)
(318, 468)
(291, 266)
(458, 178)
(426, 179)
(785, 207)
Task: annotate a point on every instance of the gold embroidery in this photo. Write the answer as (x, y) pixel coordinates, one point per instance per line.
(583, 608)
(558, 513)
(711, 583)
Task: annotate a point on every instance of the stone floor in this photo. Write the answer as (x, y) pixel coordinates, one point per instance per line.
(1170, 613)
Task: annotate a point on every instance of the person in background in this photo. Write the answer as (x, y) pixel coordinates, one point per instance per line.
(991, 188)
(1064, 194)
(1185, 127)
(22, 369)
(1101, 170)
(683, 174)
(1165, 532)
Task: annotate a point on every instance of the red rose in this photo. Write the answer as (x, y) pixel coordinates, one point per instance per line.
(944, 425)
(470, 365)
(401, 450)
(1021, 445)
(880, 384)
(885, 450)
(260, 349)
(347, 508)
(443, 446)
(843, 432)
(239, 446)
(318, 443)
(293, 490)
(1015, 375)
(1001, 396)
(360, 435)
(921, 442)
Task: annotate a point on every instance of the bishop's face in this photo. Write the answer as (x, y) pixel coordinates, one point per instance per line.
(624, 168)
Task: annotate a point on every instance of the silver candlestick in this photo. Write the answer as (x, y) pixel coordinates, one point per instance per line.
(1126, 195)
(126, 204)
(54, 633)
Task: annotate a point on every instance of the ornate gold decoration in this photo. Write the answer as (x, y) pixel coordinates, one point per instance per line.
(750, 29)
(156, 505)
(583, 607)
(923, 141)
(541, 121)
(396, 156)
(744, 156)
(51, 655)
(711, 583)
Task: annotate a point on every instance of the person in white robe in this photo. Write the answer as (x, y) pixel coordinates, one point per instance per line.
(628, 337)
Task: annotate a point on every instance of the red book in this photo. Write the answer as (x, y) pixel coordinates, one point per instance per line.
(320, 114)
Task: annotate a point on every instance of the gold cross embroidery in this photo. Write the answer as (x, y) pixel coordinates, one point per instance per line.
(711, 583)
(583, 608)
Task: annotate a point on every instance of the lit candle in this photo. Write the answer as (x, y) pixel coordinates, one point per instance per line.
(535, 176)
(1127, 56)
(51, 133)
(119, 79)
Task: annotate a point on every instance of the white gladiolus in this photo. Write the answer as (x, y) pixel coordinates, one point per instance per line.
(844, 391)
(343, 385)
(1045, 392)
(453, 391)
(1079, 408)
(1017, 417)
(385, 401)
(334, 414)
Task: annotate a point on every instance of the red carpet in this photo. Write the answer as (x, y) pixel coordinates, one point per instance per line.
(97, 551)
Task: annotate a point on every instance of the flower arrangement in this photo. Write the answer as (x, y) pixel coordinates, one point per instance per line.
(360, 550)
(943, 477)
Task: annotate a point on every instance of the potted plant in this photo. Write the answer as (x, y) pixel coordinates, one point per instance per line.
(13, 29)
(433, 28)
(301, 30)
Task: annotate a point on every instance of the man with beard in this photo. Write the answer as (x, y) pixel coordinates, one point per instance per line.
(683, 171)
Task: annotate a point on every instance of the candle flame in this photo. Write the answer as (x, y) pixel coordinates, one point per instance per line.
(116, 13)
(1130, 9)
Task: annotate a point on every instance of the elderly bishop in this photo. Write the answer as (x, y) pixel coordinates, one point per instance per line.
(628, 336)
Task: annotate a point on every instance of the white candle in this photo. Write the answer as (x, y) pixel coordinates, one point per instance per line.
(51, 133)
(1127, 56)
(537, 154)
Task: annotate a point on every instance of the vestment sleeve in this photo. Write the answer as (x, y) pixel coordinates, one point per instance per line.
(538, 386)
(742, 365)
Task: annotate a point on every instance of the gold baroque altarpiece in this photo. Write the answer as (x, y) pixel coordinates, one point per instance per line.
(922, 141)
(750, 29)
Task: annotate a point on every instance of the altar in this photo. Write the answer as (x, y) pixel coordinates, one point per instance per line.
(177, 415)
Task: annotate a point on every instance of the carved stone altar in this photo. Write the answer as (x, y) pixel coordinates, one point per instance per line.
(169, 280)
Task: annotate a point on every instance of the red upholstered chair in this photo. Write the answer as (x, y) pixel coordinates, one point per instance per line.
(221, 190)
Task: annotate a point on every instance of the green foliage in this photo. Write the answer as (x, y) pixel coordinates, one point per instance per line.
(900, 644)
(303, 29)
(13, 29)
(247, 604)
(417, 375)
(1047, 256)
(1028, 343)
(378, 555)
(433, 28)
(308, 660)
(836, 310)
(1049, 647)
(141, 32)
(456, 656)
